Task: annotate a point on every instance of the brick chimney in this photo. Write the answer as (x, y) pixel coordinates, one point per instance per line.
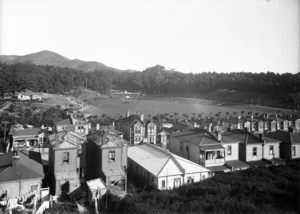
(97, 126)
(219, 135)
(142, 117)
(127, 114)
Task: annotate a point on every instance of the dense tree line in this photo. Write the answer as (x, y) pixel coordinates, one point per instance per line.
(154, 80)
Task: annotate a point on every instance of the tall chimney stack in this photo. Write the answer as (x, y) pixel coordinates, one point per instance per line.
(97, 126)
(127, 114)
(142, 117)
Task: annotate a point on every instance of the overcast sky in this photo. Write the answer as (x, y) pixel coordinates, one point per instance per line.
(187, 35)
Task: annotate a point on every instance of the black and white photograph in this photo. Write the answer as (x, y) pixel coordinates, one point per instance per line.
(149, 106)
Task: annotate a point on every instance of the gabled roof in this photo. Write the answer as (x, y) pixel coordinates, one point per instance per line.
(127, 121)
(199, 137)
(285, 136)
(106, 139)
(28, 132)
(63, 122)
(66, 140)
(27, 166)
(154, 159)
(243, 136)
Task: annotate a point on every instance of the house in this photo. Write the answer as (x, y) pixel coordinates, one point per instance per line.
(21, 174)
(216, 151)
(110, 128)
(234, 123)
(251, 147)
(65, 165)
(136, 130)
(289, 143)
(201, 147)
(297, 125)
(28, 95)
(162, 139)
(73, 124)
(107, 159)
(163, 169)
(29, 138)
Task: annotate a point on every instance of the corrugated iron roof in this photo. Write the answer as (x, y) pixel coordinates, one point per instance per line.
(153, 159)
(65, 175)
(28, 132)
(27, 166)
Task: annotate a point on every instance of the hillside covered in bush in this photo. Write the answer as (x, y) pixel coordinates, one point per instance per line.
(153, 80)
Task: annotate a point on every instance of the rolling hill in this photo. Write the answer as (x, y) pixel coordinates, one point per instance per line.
(51, 58)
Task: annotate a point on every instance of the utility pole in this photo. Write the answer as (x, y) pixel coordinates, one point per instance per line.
(5, 123)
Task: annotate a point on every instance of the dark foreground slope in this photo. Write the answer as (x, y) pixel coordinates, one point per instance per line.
(257, 190)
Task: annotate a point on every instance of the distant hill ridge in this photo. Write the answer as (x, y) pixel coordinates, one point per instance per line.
(46, 57)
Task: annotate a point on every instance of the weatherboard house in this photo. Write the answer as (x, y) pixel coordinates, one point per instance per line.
(289, 143)
(21, 174)
(107, 159)
(64, 162)
(214, 151)
(73, 124)
(163, 169)
(136, 130)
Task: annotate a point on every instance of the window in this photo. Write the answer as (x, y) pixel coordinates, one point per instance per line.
(66, 157)
(151, 129)
(190, 180)
(181, 146)
(3, 194)
(111, 156)
(294, 151)
(271, 150)
(229, 150)
(138, 130)
(203, 177)
(33, 188)
(163, 184)
(187, 148)
(177, 182)
(254, 151)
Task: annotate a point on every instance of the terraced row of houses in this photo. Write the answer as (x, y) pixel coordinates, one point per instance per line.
(164, 155)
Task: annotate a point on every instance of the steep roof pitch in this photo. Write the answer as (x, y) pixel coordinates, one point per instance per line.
(106, 139)
(66, 140)
(127, 121)
(29, 166)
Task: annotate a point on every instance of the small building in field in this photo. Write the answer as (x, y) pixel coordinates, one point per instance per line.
(163, 169)
(21, 174)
